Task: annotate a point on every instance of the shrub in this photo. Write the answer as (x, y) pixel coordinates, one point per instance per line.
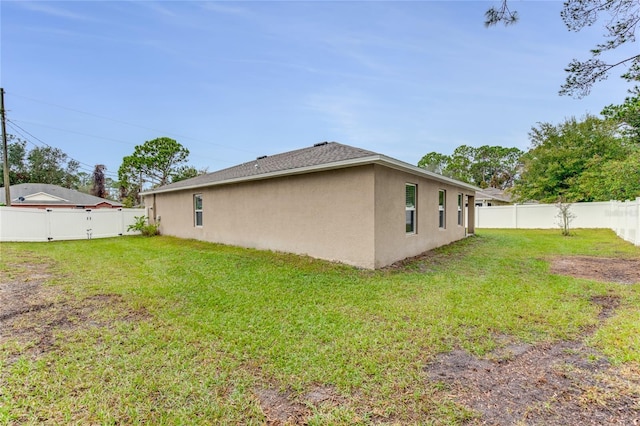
(145, 228)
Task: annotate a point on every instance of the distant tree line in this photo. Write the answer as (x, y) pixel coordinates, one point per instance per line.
(154, 163)
(486, 166)
(41, 165)
(588, 159)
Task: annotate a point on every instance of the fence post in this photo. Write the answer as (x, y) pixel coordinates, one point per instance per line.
(614, 221)
(515, 215)
(121, 222)
(637, 224)
(47, 224)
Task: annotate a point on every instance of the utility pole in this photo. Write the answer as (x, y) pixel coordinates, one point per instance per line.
(5, 151)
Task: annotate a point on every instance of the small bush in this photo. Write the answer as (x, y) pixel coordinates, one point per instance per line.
(565, 216)
(145, 228)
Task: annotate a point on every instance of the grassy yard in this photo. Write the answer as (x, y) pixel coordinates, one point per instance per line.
(169, 331)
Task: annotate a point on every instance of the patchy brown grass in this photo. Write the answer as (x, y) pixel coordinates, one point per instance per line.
(31, 312)
(545, 384)
(284, 408)
(623, 271)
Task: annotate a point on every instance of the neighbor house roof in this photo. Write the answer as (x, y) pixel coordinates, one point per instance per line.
(27, 194)
(321, 156)
(493, 194)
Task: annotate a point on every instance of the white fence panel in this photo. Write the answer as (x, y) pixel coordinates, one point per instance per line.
(495, 217)
(22, 224)
(591, 215)
(28, 224)
(535, 216)
(622, 217)
(129, 218)
(102, 225)
(625, 219)
(69, 224)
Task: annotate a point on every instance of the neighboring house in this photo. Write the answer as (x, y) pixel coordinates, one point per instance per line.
(329, 201)
(492, 197)
(44, 195)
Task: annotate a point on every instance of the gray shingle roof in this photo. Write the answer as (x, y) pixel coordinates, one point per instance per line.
(322, 156)
(323, 153)
(68, 196)
(493, 194)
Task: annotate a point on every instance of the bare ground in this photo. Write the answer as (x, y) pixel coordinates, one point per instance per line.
(31, 312)
(549, 384)
(623, 271)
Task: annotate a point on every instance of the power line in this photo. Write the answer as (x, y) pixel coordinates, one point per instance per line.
(89, 168)
(103, 138)
(132, 124)
(74, 132)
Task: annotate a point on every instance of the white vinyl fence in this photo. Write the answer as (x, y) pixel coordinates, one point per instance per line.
(30, 224)
(621, 216)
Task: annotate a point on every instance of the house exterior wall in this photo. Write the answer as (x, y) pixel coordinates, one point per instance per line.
(354, 215)
(327, 215)
(392, 243)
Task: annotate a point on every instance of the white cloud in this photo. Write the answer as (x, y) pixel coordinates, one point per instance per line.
(48, 9)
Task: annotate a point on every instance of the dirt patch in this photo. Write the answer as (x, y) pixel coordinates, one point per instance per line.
(284, 408)
(31, 312)
(547, 384)
(623, 271)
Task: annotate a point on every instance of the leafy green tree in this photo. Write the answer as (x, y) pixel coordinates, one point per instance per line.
(483, 166)
(434, 162)
(51, 165)
(460, 163)
(627, 115)
(621, 19)
(617, 179)
(40, 165)
(495, 166)
(186, 172)
(563, 157)
(152, 163)
(84, 182)
(16, 153)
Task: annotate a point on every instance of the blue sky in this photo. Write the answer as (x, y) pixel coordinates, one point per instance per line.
(235, 80)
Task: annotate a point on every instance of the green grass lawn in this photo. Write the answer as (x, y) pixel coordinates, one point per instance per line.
(169, 331)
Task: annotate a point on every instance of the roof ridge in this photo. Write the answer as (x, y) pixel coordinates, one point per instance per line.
(318, 154)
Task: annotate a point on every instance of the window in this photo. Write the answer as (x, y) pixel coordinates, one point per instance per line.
(460, 209)
(410, 208)
(442, 205)
(197, 209)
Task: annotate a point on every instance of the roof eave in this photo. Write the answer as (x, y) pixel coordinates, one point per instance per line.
(372, 159)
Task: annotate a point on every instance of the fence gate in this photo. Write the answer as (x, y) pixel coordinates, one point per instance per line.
(29, 224)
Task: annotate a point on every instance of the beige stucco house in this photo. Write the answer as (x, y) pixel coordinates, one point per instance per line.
(328, 201)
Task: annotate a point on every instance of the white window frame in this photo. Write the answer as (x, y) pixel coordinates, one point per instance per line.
(442, 208)
(411, 210)
(197, 212)
(460, 209)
